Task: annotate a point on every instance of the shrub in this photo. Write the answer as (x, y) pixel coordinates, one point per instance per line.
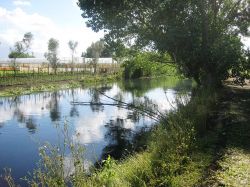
(147, 64)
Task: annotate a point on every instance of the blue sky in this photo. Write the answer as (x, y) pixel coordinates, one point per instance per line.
(60, 19)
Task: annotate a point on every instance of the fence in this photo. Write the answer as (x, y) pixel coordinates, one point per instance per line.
(23, 73)
(41, 65)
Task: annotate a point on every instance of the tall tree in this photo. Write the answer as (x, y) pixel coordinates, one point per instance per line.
(95, 51)
(106, 51)
(72, 45)
(52, 54)
(202, 36)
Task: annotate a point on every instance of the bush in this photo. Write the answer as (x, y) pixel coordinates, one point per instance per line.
(147, 64)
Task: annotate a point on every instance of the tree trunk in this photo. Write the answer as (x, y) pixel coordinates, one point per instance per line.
(211, 80)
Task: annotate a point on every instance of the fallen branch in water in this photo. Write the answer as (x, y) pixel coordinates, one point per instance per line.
(124, 105)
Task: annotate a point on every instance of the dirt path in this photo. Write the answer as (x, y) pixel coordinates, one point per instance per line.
(231, 166)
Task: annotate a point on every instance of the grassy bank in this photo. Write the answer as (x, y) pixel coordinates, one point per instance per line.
(55, 82)
(178, 152)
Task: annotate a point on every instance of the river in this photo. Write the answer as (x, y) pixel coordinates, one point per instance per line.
(28, 121)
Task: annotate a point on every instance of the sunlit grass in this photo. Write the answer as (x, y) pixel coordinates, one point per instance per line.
(235, 168)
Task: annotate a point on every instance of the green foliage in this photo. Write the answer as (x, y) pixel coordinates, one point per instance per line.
(147, 64)
(175, 143)
(53, 169)
(107, 174)
(202, 37)
(15, 54)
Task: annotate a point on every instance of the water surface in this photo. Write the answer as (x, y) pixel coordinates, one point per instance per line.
(27, 121)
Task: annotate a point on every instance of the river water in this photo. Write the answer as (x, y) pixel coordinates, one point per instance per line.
(101, 126)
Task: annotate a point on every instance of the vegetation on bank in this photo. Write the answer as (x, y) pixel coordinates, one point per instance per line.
(178, 150)
(54, 82)
(148, 64)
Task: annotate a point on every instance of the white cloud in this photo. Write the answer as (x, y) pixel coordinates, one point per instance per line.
(14, 23)
(90, 129)
(21, 3)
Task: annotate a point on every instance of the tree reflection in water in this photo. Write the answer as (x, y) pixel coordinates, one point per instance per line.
(74, 110)
(119, 139)
(55, 114)
(29, 122)
(95, 94)
(31, 126)
(124, 141)
(1, 125)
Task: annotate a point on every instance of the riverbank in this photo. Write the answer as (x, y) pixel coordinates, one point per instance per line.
(43, 85)
(205, 143)
(179, 149)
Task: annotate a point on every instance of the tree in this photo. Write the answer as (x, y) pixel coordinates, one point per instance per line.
(106, 52)
(21, 50)
(95, 51)
(72, 46)
(202, 37)
(52, 54)
(21, 47)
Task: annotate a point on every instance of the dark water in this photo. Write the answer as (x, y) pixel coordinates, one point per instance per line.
(27, 121)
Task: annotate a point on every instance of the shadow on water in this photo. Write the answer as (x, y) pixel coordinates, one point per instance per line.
(119, 139)
(123, 141)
